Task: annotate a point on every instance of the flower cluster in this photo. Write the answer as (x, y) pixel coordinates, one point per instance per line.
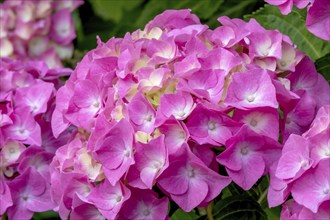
(318, 14)
(27, 99)
(41, 29)
(154, 109)
(302, 170)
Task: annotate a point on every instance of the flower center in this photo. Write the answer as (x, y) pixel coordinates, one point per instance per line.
(211, 125)
(127, 152)
(288, 120)
(326, 191)
(119, 198)
(148, 118)
(22, 130)
(12, 150)
(180, 114)
(253, 122)
(146, 212)
(96, 104)
(283, 63)
(250, 98)
(244, 150)
(191, 173)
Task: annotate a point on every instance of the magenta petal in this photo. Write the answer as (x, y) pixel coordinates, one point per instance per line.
(196, 193)
(318, 19)
(253, 168)
(173, 180)
(313, 187)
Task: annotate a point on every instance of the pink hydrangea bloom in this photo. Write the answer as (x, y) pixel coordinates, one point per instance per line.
(41, 29)
(151, 111)
(26, 107)
(30, 193)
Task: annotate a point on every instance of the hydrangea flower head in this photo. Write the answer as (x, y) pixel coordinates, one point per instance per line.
(151, 111)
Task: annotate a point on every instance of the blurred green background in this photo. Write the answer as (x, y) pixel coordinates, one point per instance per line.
(108, 18)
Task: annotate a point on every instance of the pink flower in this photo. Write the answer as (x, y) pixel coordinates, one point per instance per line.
(82, 210)
(263, 121)
(292, 210)
(115, 151)
(189, 182)
(286, 5)
(83, 108)
(173, 19)
(248, 156)
(24, 128)
(179, 105)
(251, 89)
(205, 84)
(30, 193)
(109, 198)
(220, 59)
(144, 204)
(176, 133)
(35, 97)
(36, 158)
(151, 160)
(318, 19)
(313, 187)
(265, 44)
(295, 159)
(213, 127)
(141, 114)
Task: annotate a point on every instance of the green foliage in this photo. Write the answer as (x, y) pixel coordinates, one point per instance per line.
(323, 66)
(238, 207)
(45, 215)
(273, 213)
(204, 9)
(113, 9)
(179, 214)
(292, 25)
(109, 18)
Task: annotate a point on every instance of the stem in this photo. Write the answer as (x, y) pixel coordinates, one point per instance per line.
(263, 195)
(209, 211)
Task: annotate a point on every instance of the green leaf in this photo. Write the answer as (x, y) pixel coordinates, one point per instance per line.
(180, 215)
(273, 213)
(323, 66)
(45, 215)
(113, 9)
(292, 25)
(238, 207)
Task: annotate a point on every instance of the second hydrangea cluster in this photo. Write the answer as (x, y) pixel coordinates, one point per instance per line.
(38, 29)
